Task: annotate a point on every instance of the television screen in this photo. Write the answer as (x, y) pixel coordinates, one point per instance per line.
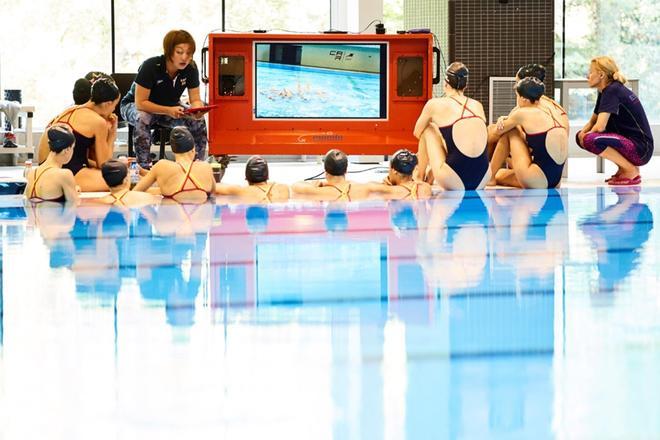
(320, 81)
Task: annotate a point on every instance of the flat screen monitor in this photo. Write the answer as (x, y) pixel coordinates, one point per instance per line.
(320, 80)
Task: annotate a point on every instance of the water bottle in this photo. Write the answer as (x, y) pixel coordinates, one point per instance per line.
(27, 169)
(134, 173)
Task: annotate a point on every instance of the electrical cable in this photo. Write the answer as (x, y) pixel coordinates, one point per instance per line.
(379, 167)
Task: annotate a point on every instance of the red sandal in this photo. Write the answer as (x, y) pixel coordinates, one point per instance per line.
(624, 181)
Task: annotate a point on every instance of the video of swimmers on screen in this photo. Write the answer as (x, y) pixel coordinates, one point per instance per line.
(320, 81)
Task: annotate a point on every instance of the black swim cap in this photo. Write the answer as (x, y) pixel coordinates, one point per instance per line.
(256, 170)
(60, 138)
(181, 140)
(82, 91)
(530, 88)
(457, 75)
(335, 162)
(114, 172)
(104, 90)
(531, 70)
(404, 162)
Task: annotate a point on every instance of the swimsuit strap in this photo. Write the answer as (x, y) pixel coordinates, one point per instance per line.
(37, 176)
(68, 113)
(341, 193)
(558, 107)
(464, 108)
(192, 178)
(412, 189)
(187, 171)
(266, 191)
(120, 198)
(555, 122)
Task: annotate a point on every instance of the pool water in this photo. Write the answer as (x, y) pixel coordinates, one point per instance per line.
(496, 314)
(285, 91)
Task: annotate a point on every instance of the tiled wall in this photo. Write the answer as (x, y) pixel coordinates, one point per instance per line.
(494, 39)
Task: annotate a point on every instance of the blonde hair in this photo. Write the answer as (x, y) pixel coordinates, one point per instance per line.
(608, 66)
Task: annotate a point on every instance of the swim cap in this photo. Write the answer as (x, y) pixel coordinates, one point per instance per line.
(103, 90)
(404, 162)
(256, 170)
(114, 172)
(60, 138)
(457, 75)
(181, 140)
(335, 162)
(531, 71)
(530, 88)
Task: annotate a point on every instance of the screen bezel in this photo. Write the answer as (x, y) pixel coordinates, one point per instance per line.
(384, 79)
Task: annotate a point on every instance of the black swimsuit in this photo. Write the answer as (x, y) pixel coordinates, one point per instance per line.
(540, 156)
(83, 144)
(471, 170)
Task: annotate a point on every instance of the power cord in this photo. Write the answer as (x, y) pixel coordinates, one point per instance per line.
(381, 169)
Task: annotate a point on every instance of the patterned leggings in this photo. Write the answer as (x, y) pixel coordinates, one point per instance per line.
(143, 122)
(596, 143)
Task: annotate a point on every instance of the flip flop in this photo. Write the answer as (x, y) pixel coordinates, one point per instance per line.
(624, 181)
(612, 177)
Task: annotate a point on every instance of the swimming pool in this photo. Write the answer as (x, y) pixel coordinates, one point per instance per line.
(285, 91)
(499, 314)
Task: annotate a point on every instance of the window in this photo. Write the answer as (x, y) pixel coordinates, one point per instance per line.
(626, 30)
(46, 46)
(278, 15)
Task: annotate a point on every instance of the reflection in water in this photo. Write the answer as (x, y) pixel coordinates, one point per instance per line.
(618, 234)
(453, 242)
(432, 319)
(530, 236)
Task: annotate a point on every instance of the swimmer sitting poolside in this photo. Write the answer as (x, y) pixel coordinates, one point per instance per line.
(400, 183)
(50, 182)
(185, 179)
(259, 189)
(452, 136)
(115, 175)
(538, 159)
(335, 186)
(527, 71)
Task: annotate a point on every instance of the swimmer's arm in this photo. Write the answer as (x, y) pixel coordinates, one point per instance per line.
(225, 189)
(307, 187)
(600, 123)
(104, 138)
(508, 123)
(380, 188)
(423, 120)
(148, 180)
(69, 187)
